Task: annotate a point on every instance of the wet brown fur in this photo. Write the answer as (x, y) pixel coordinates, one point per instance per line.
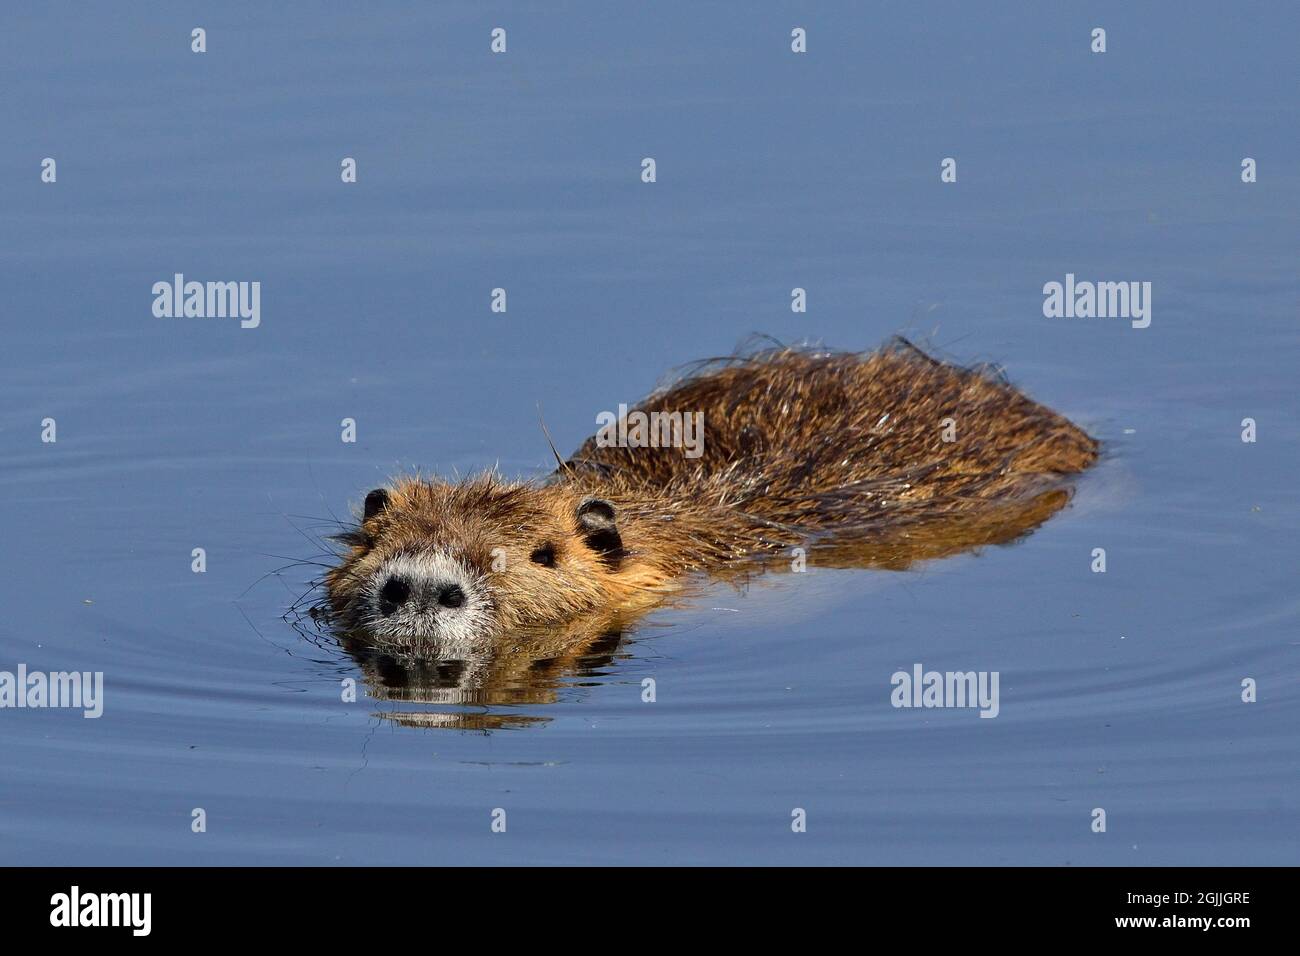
(841, 452)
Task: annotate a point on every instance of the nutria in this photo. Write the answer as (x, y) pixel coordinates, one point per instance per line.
(868, 460)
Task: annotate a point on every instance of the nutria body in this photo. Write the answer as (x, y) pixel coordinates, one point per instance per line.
(846, 453)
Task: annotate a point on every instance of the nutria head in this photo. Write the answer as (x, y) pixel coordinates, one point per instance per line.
(450, 564)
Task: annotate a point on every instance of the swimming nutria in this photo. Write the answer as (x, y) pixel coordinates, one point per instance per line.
(801, 447)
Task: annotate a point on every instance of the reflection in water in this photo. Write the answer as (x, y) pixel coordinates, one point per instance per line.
(477, 688)
(509, 671)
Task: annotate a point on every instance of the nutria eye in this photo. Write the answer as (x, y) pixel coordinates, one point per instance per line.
(545, 556)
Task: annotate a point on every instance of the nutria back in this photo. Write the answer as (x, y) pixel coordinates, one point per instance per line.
(813, 440)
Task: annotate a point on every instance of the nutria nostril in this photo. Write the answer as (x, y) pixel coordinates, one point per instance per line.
(451, 596)
(394, 593)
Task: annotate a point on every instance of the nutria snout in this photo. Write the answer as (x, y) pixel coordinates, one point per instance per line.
(873, 460)
(422, 592)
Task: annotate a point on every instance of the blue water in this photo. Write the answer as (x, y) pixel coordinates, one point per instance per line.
(1119, 691)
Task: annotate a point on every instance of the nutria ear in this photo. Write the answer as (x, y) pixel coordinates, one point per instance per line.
(596, 514)
(376, 502)
(596, 519)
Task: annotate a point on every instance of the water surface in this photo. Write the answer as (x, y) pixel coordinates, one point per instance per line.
(1118, 690)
